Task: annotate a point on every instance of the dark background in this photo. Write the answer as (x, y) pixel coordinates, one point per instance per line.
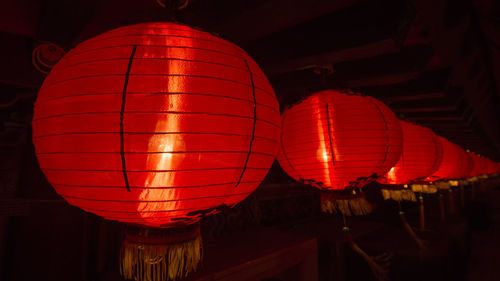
(433, 62)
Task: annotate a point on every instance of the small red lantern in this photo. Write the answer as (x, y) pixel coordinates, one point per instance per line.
(156, 124)
(491, 167)
(421, 156)
(455, 163)
(333, 139)
(468, 163)
(480, 166)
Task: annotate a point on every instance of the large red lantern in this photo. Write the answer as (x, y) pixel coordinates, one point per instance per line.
(333, 138)
(454, 163)
(156, 124)
(421, 156)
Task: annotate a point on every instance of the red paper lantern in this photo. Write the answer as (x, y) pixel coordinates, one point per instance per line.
(332, 139)
(453, 164)
(421, 156)
(155, 124)
(491, 167)
(480, 166)
(467, 163)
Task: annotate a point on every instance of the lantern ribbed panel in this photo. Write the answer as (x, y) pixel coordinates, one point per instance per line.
(492, 168)
(421, 156)
(480, 166)
(475, 165)
(484, 165)
(454, 163)
(333, 138)
(468, 163)
(185, 120)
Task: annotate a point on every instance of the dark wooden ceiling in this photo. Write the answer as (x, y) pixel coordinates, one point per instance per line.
(434, 62)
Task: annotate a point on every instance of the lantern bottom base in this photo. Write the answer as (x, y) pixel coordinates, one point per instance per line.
(160, 254)
(357, 205)
(399, 195)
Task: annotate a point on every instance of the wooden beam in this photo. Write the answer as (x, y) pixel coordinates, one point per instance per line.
(382, 80)
(413, 97)
(426, 109)
(386, 46)
(275, 15)
(354, 26)
(425, 83)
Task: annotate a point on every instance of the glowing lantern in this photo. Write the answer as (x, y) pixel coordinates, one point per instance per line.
(333, 139)
(454, 163)
(468, 163)
(421, 156)
(491, 167)
(156, 124)
(480, 165)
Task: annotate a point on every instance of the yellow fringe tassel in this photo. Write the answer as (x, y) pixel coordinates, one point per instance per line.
(399, 195)
(352, 206)
(472, 179)
(156, 262)
(463, 183)
(425, 188)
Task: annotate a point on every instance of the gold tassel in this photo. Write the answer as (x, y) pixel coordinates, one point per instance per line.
(356, 206)
(157, 262)
(472, 179)
(399, 195)
(424, 188)
(378, 264)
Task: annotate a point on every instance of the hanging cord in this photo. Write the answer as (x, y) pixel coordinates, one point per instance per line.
(451, 201)
(421, 245)
(344, 219)
(323, 71)
(421, 211)
(378, 264)
(172, 7)
(441, 206)
(462, 195)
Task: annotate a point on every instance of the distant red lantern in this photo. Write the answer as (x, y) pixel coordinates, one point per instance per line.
(156, 124)
(480, 166)
(333, 138)
(468, 163)
(452, 164)
(421, 156)
(491, 167)
(495, 166)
